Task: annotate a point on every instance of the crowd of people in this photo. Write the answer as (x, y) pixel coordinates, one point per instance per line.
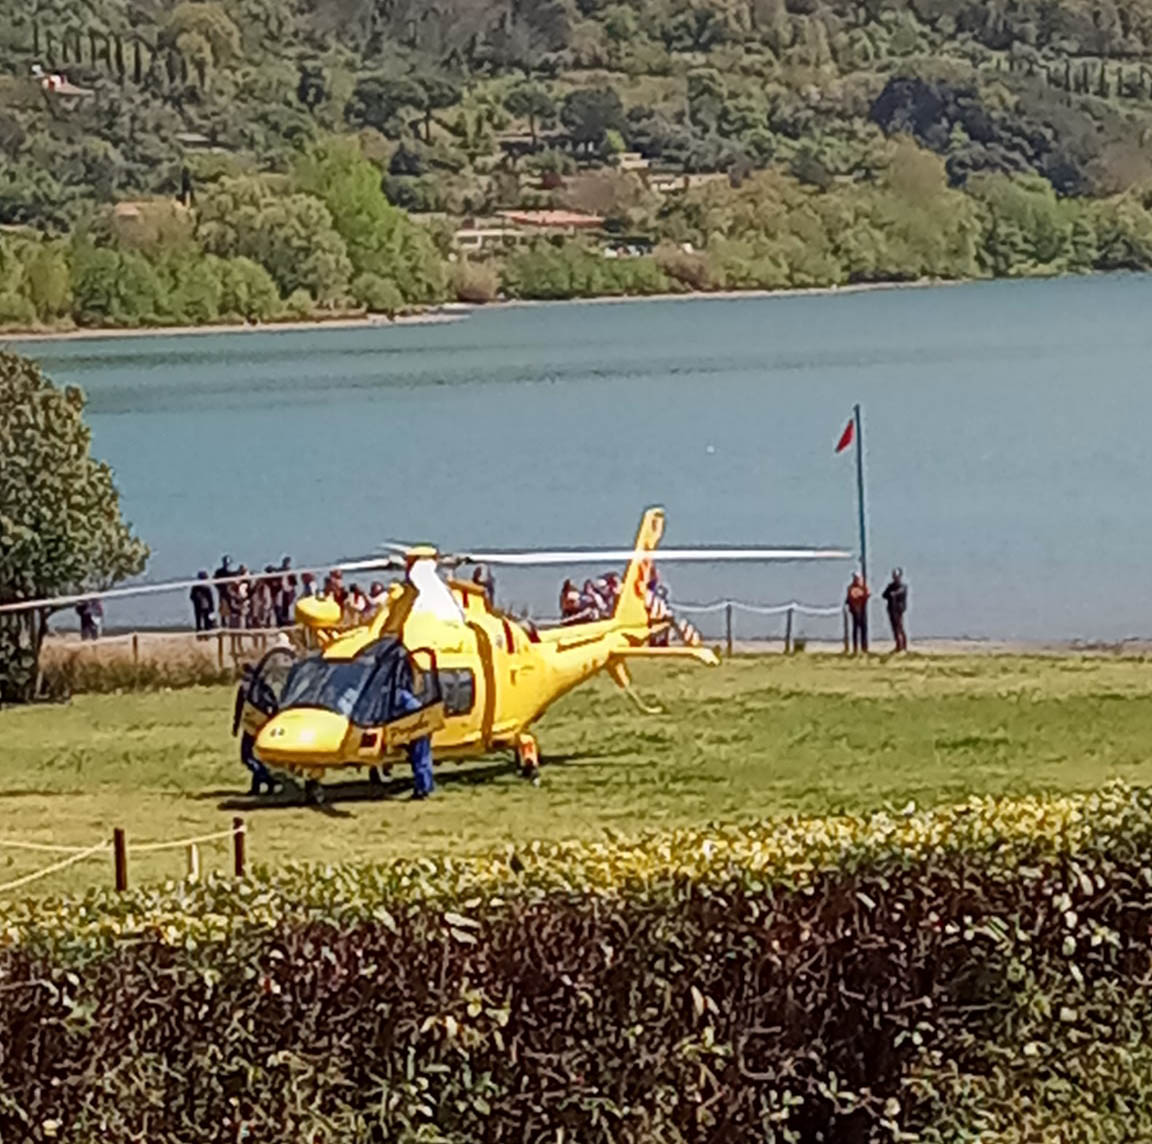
(242, 599)
(237, 599)
(597, 600)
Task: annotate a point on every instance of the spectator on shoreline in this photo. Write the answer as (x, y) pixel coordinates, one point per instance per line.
(240, 598)
(569, 601)
(857, 603)
(224, 591)
(482, 578)
(355, 606)
(377, 601)
(896, 597)
(262, 611)
(286, 593)
(203, 603)
(334, 587)
(89, 612)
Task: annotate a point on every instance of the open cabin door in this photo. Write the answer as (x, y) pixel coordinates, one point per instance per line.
(416, 702)
(260, 690)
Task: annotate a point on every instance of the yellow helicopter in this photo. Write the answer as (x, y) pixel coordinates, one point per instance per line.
(439, 660)
(479, 677)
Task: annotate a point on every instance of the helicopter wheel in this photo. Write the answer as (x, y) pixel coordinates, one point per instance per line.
(374, 776)
(313, 792)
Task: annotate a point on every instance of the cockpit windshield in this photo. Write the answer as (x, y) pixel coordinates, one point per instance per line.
(362, 690)
(333, 685)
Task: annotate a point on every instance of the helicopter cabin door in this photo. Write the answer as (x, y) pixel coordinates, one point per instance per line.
(258, 697)
(416, 703)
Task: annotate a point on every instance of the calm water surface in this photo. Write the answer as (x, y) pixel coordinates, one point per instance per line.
(1007, 430)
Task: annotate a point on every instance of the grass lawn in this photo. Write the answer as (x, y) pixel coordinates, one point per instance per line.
(755, 737)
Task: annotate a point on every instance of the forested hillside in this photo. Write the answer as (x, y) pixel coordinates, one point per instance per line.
(188, 162)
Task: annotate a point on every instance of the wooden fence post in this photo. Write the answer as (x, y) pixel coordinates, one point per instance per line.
(220, 649)
(136, 647)
(844, 613)
(193, 862)
(120, 857)
(728, 627)
(788, 633)
(238, 855)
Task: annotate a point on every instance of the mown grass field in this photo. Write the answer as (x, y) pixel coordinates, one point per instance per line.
(755, 737)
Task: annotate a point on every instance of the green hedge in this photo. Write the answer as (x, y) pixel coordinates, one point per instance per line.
(979, 971)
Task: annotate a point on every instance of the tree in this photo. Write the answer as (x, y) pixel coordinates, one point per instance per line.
(377, 101)
(706, 96)
(208, 23)
(61, 531)
(530, 101)
(436, 94)
(380, 238)
(291, 235)
(589, 112)
(49, 285)
(247, 290)
(377, 295)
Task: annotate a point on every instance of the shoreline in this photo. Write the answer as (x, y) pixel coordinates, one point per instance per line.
(458, 311)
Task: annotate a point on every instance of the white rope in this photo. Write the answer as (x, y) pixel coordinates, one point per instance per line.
(794, 606)
(759, 609)
(40, 847)
(219, 836)
(56, 866)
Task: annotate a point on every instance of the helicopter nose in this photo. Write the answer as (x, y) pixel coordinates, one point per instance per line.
(301, 736)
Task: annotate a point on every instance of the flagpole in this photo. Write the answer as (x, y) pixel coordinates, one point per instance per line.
(860, 492)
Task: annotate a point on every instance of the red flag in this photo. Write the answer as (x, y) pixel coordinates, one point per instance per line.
(846, 437)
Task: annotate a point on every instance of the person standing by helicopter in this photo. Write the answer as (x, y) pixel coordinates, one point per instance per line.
(419, 751)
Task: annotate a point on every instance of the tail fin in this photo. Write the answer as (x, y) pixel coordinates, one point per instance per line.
(632, 607)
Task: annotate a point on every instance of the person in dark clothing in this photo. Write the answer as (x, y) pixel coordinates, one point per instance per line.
(482, 578)
(286, 595)
(857, 604)
(203, 604)
(896, 597)
(88, 628)
(419, 751)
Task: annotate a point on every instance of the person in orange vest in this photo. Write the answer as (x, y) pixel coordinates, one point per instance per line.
(857, 604)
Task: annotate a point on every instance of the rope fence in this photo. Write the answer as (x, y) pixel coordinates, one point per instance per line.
(63, 864)
(120, 850)
(759, 609)
(791, 611)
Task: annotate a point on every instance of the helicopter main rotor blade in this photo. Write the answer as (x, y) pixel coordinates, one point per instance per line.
(381, 563)
(678, 555)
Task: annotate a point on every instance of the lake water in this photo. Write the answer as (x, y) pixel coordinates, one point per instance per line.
(1007, 430)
